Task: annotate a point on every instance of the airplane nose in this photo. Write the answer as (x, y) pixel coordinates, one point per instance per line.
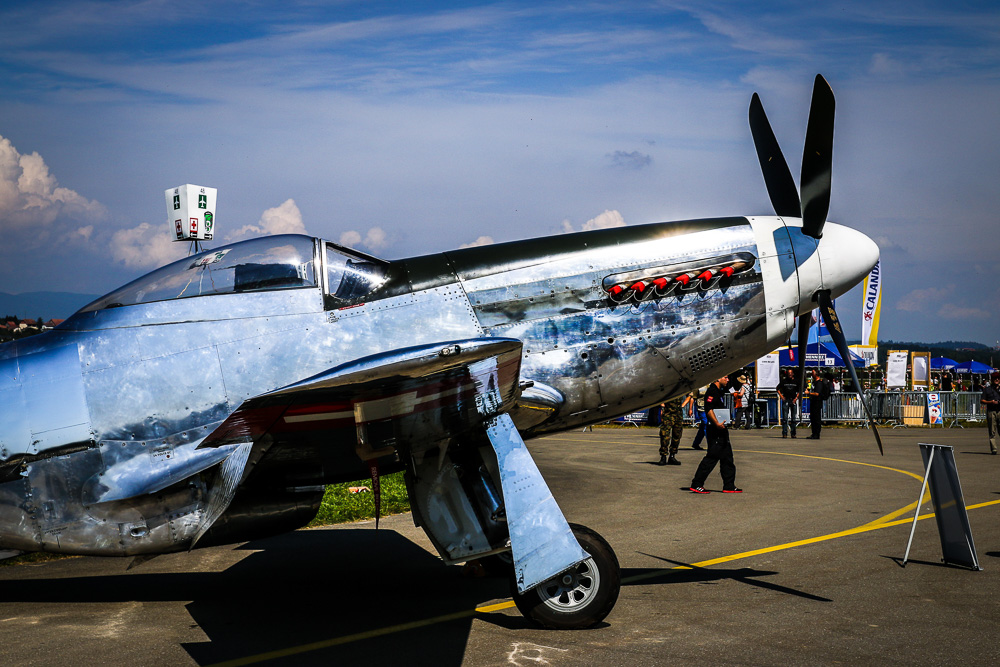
(846, 256)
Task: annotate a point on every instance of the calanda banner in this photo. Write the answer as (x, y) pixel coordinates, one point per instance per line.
(871, 306)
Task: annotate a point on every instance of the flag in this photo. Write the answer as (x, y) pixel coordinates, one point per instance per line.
(871, 306)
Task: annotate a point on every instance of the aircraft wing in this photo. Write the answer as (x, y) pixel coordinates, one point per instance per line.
(439, 381)
(412, 401)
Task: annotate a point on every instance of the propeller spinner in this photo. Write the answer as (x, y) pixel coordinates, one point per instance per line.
(842, 258)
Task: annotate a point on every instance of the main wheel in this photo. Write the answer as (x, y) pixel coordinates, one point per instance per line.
(580, 597)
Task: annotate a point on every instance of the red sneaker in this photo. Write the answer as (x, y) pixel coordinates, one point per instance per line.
(699, 489)
(733, 490)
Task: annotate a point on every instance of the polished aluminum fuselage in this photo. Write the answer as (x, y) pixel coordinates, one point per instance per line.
(116, 397)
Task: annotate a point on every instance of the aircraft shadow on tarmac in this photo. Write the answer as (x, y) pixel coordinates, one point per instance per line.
(695, 574)
(302, 588)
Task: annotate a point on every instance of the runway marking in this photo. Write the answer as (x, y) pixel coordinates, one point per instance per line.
(346, 639)
(402, 627)
(882, 522)
(883, 519)
(798, 543)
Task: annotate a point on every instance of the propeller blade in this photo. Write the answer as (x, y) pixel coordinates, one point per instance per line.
(777, 176)
(805, 321)
(837, 333)
(817, 160)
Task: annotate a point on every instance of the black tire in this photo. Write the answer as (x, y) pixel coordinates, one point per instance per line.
(585, 598)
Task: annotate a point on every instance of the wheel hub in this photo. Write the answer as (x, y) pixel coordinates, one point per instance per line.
(572, 589)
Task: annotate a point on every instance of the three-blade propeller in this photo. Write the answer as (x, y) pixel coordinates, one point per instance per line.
(812, 207)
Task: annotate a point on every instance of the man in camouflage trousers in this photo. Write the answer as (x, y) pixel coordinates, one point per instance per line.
(671, 427)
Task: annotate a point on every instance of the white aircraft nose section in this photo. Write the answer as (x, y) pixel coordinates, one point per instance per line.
(846, 256)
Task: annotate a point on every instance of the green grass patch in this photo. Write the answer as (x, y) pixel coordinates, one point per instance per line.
(340, 505)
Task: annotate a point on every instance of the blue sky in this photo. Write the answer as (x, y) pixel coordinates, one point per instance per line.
(406, 130)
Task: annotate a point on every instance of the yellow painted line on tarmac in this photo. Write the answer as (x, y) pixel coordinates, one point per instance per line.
(882, 522)
(798, 543)
(900, 512)
(346, 639)
(882, 519)
(825, 458)
(402, 627)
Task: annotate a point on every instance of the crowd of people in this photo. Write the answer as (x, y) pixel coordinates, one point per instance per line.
(705, 404)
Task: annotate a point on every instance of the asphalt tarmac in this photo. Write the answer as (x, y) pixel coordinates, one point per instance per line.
(802, 568)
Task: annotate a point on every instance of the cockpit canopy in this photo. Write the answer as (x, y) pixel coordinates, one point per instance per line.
(287, 261)
(351, 275)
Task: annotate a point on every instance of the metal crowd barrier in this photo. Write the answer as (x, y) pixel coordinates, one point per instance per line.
(963, 405)
(894, 407)
(889, 408)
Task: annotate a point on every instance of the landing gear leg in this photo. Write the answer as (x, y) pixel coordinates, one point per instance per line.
(580, 597)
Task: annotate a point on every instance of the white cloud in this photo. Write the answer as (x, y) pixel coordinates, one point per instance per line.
(886, 244)
(941, 300)
(374, 239)
(283, 219)
(884, 65)
(482, 240)
(146, 247)
(605, 220)
(32, 201)
(919, 299)
(350, 238)
(953, 311)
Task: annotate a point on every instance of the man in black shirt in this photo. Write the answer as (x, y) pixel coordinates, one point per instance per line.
(991, 399)
(789, 392)
(819, 392)
(719, 449)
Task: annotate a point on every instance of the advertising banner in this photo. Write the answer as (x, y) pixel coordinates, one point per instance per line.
(895, 369)
(768, 372)
(934, 408)
(867, 352)
(871, 306)
(920, 369)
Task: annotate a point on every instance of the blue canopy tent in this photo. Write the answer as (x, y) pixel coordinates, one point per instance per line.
(943, 364)
(973, 367)
(818, 355)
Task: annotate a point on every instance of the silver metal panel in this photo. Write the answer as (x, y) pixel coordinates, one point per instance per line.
(15, 435)
(314, 350)
(62, 522)
(158, 397)
(447, 515)
(44, 402)
(541, 540)
(104, 349)
(227, 480)
(17, 526)
(152, 468)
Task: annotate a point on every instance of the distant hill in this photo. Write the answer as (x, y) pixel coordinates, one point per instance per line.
(48, 305)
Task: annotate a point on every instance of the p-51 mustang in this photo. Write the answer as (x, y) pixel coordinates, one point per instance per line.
(209, 401)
